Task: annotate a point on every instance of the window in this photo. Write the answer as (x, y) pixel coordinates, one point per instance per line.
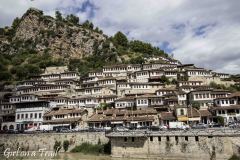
(159, 139)
(18, 116)
(40, 115)
(182, 112)
(132, 139)
(35, 115)
(125, 139)
(31, 115)
(196, 96)
(151, 138)
(145, 101)
(176, 138)
(186, 138)
(22, 116)
(168, 139)
(196, 138)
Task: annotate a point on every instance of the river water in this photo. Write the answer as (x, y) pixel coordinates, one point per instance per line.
(80, 156)
(67, 156)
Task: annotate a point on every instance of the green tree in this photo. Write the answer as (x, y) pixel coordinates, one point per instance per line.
(164, 80)
(139, 46)
(72, 19)
(5, 76)
(87, 24)
(196, 105)
(65, 145)
(15, 23)
(137, 60)
(32, 69)
(58, 16)
(120, 39)
(21, 73)
(57, 146)
(220, 120)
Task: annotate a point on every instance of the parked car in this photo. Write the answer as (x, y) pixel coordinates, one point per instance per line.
(11, 131)
(64, 130)
(143, 128)
(154, 128)
(233, 125)
(177, 125)
(107, 128)
(214, 124)
(185, 127)
(200, 126)
(163, 127)
(99, 129)
(121, 129)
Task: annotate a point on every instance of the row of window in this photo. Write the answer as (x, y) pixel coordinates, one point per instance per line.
(198, 73)
(124, 104)
(225, 102)
(142, 101)
(160, 139)
(225, 112)
(29, 115)
(208, 95)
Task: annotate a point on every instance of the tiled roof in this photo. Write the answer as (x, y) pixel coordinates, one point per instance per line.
(64, 112)
(193, 112)
(205, 113)
(167, 116)
(235, 94)
(226, 107)
(61, 121)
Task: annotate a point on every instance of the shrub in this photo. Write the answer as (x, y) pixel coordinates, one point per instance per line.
(88, 148)
(234, 157)
(57, 146)
(65, 145)
(220, 120)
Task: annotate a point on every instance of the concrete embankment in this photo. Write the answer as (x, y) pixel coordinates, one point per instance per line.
(203, 145)
(34, 142)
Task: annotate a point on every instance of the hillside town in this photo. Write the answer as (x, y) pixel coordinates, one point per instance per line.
(121, 95)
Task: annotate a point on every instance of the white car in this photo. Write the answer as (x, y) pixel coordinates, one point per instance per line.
(163, 127)
(121, 129)
(107, 128)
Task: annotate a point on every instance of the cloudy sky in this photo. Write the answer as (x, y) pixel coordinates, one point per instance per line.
(206, 32)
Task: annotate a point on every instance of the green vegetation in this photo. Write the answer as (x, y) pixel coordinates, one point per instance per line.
(96, 149)
(234, 157)
(120, 39)
(30, 62)
(72, 19)
(57, 146)
(232, 88)
(220, 120)
(196, 105)
(25, 65)
(65, 145)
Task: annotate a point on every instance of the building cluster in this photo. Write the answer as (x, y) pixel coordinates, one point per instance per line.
(119, 95)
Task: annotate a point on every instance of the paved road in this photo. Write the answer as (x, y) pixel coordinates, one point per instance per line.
(191, 132)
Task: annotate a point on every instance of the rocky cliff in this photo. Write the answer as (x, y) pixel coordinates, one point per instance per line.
(44, 33)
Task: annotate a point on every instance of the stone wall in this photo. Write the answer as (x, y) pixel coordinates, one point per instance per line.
(174, 147)
(33, 142)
